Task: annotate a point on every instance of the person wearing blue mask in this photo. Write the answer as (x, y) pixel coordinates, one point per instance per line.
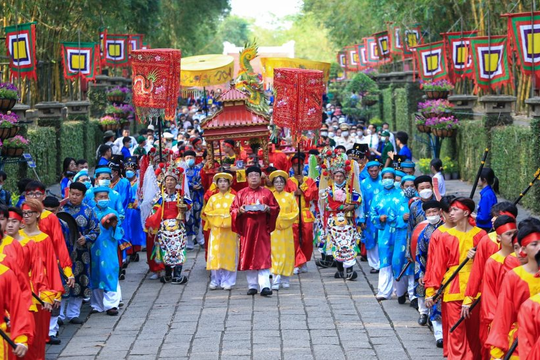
(134, 226)
(399, 212)
(381, 217)
(103, 179)
(105, 267)
(397, 181)
(83, 178)
(196, 191)
(87, 223)
(123, 187)
(370, 187)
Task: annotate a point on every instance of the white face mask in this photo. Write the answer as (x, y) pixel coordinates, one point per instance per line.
(345, 133)
(368, 132)
(324, 133)
(330, 134)
(433, 219)
(426, 194)
(383, 138)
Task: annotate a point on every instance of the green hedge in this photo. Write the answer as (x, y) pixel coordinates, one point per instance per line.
(514, 161)
(72, 140)
(388, 107)
(402, 113)
(472, 139)
(43, 150)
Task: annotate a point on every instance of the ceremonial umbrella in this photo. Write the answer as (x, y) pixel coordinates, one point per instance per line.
(206, 70)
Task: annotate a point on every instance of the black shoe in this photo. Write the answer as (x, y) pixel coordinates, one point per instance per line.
(266, 292)
(401, 299)
(134, 257)
(422, 320)
(380, 298)
(323, 263)
(60, 322)
(339, 275)
(165, 279)
(122, 276)
(414, 303)
(351, 274)
(112, 312)
(252, 292)
(440, 343)
(76, 321)
(373, 271)
(121, 304)
(363, 258)
(180, 280)
(53, 340)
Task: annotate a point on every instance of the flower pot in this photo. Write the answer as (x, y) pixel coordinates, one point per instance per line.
(119, 99)
(7, 104)
(455, 175)
(423, 128)
(12, 152)
(106, 127)
(447, 177)
(437, 94)
(443, 132)
(8, 132)
(428, 115)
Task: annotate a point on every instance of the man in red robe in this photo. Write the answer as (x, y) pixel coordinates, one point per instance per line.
(306, 191)
(529, 329)
(454, 248)
(21, 328)
(518, 285)
(254, 213)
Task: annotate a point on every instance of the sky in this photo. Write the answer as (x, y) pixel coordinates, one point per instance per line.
(265, 11)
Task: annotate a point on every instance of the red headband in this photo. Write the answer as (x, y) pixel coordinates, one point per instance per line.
(228, 145)
(507, 214)
(535, 236)
(14, 215)
(26, 207)
(461, 206)
(506, 227)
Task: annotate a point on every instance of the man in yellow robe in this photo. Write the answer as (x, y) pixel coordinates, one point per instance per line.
(223, 242)
(282, 239)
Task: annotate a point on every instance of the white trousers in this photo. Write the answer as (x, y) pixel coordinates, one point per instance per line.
(386, 282)
(223, 278)
(71, 308)
(422, 309)
(105, 300)
(404, 285)
(437, 329)
(373, 258)
(258, 279)
(281, 279)
(53, 326)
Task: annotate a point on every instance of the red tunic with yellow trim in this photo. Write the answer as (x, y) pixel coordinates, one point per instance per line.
(451, 251)
(14, 259)
(33, 264)
(518, 285)
(437, 254)
(50, 225)
(21, 322)
(529, 329)
(496, 268)
(487, 246)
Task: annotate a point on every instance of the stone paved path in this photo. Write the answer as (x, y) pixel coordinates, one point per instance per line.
(319, 317)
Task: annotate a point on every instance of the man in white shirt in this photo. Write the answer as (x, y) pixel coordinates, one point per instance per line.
(345, 139)
(372, 137)
(386, 126)
(118, 142)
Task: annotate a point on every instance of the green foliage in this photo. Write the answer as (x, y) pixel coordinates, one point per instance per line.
(45, 153)
(71, 140)
(471, 141)
(402, 113)
(388, 107)
(94, 138)
(424, 165)
(363, 85)
(514, 164)
(98, 97)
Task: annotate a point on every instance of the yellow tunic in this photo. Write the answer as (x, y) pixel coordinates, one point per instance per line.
(283, 254)
(223, 243)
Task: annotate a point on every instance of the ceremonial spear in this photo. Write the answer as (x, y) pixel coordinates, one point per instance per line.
(8, 339)
(476, 302)
(475, 184)
(522, 194)
(513, 348)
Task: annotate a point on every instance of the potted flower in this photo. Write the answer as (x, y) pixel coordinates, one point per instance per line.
(120, 111)
(438, 89)
(8, 125)
(108, 122)
(450, 168)
(117, 94)
(424, 165)
(443, 126)
(8, 96)
(435, 108)
(15, 146)
(421, 124)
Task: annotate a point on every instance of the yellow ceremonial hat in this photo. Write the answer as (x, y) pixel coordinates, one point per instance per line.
(222, 175)
(277, 173)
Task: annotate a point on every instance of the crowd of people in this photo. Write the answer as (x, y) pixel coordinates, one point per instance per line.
(352, 195)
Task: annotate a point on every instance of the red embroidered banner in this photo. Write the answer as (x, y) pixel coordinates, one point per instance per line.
(298, 103)
(156, 79)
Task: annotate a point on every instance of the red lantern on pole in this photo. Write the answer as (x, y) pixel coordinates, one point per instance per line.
(298, 103)
(156, 79)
